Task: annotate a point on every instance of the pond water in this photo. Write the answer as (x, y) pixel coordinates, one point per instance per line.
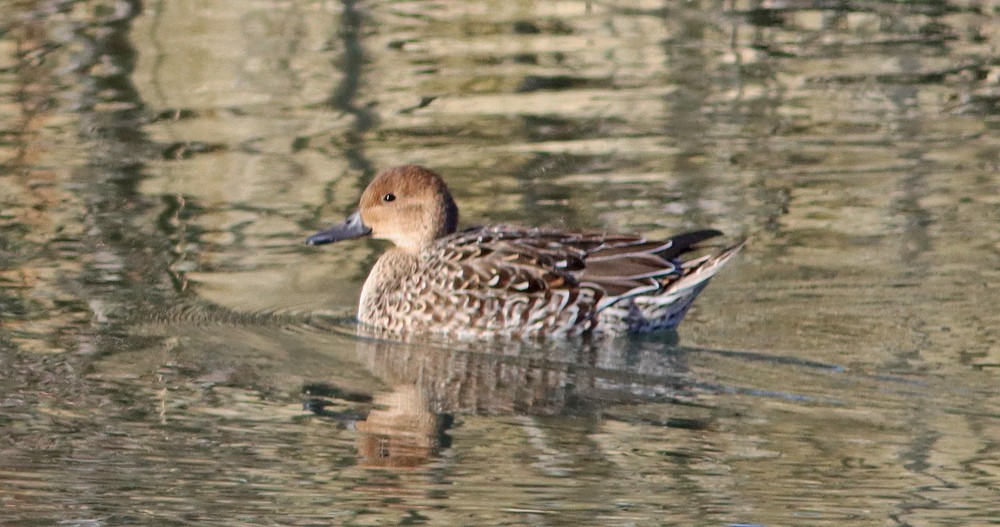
(172, 353)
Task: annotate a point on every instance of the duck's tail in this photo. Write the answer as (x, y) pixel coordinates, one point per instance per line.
(668, 306)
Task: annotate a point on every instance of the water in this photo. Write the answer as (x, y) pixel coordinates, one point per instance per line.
(171, 353)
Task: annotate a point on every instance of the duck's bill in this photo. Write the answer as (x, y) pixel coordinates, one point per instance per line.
(352, 227)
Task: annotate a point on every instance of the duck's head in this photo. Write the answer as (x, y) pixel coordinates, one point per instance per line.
(408, 205)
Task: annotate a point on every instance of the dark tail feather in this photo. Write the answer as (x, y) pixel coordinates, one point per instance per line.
(686, 242)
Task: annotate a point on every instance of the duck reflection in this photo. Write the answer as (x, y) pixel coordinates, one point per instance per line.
(432, 380)
(401, 430)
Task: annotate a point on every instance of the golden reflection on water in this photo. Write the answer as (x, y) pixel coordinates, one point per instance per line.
(161, 321)
(400, 432)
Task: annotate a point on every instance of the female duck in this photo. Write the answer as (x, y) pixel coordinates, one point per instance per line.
(503, 280)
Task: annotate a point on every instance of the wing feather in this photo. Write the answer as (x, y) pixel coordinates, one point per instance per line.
(520, 261)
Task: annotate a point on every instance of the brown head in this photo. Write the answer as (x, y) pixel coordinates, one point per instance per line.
(408, 205)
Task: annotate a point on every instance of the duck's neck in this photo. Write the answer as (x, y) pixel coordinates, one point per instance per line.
(439, 221)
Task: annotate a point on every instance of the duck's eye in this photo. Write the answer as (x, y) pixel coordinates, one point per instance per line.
(389, 197)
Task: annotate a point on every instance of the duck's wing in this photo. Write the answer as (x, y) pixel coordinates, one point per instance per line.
(523, 261)
(509, 260)
(629, 266)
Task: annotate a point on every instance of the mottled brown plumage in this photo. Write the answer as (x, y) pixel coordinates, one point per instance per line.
(510, 280)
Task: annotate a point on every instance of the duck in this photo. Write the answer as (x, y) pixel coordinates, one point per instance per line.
(506, 280)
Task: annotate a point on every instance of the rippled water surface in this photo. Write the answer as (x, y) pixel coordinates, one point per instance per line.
(172, 353)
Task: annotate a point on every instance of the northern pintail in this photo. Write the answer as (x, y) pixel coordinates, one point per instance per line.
(514, 281)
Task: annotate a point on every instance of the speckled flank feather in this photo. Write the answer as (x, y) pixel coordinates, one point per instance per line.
(503, 280)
